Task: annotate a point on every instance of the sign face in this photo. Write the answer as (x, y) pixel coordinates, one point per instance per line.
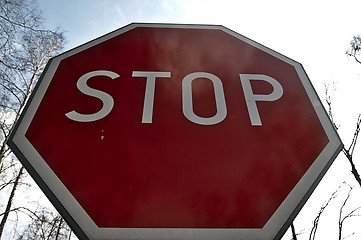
(160, 131)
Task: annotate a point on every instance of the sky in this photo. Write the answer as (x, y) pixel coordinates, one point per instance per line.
(314, 33)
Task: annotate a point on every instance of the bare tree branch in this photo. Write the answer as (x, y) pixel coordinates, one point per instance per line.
(355, 48)
(354, 139)
(341, 219)
(25, 48)
(348, 152)
(10, 201)
(294, 235)
(329, 93)
(320, 212)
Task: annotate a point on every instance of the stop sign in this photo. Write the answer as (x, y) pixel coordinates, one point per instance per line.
(159, 131)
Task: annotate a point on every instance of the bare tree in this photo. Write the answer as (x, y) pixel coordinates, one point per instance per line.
(348, 151)
(25, 47)
(355, 48)
(342, 217)
(316, 221)
(354, 51)
(44, 224)
(10, 200)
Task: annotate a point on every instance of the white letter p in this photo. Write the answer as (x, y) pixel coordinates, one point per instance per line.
(252, 98)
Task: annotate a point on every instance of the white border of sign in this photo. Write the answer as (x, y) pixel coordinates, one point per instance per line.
(83, 225)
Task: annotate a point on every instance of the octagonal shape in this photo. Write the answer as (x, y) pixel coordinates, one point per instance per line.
(159, 131)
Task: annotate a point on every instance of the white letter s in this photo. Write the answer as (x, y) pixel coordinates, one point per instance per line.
(107, 100)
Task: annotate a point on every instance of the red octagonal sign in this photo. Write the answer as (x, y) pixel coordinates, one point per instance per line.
(159, 131)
